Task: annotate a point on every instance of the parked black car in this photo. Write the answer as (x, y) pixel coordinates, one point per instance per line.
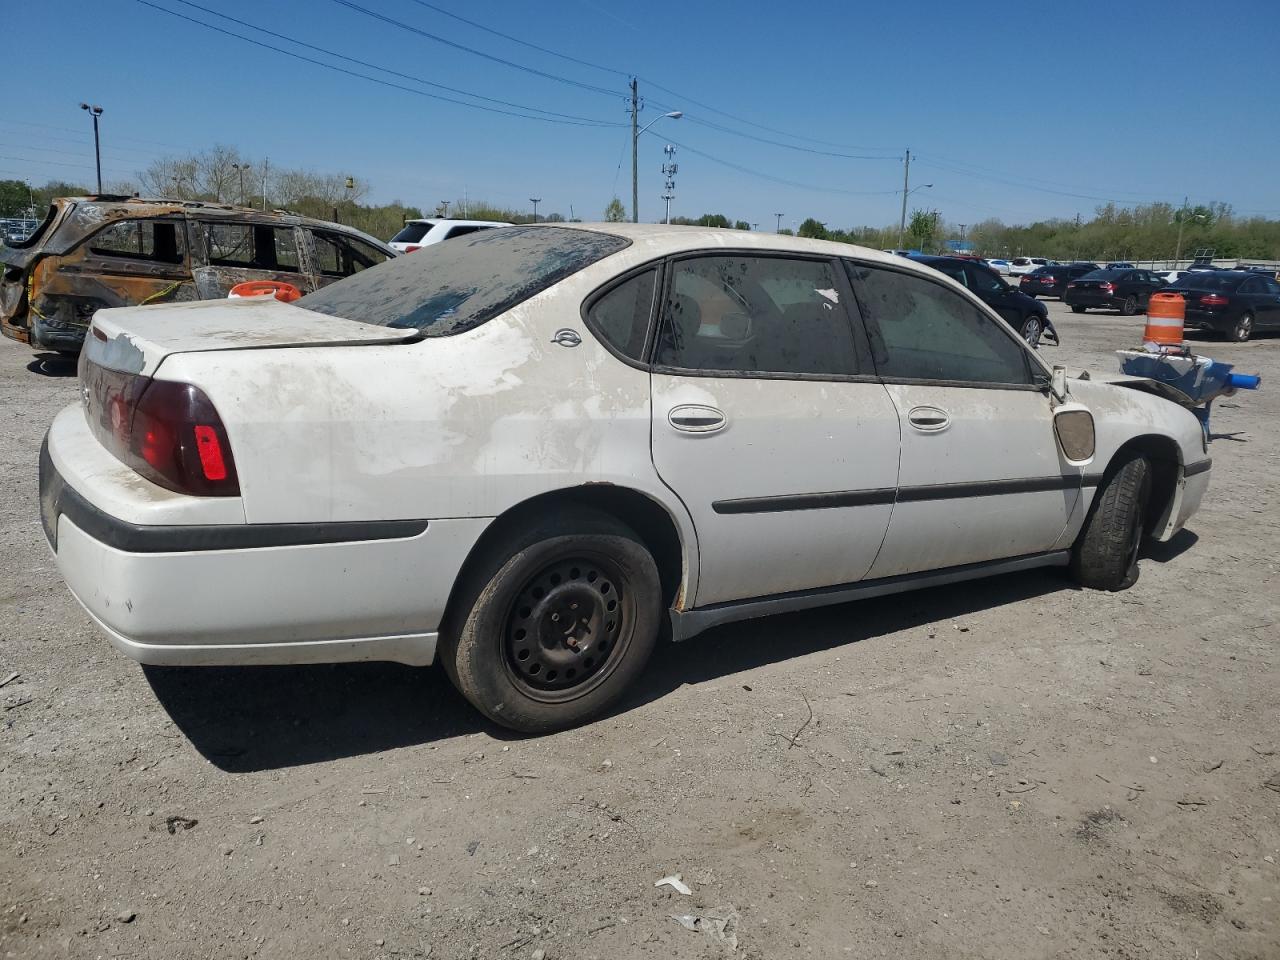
(1025, 314)
(1233, 303)
(1052, 281)
(1125, 290)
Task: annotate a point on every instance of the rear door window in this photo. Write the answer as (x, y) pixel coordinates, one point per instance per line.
(159, 241)
(252, 246)
(748, 314)
(921, 330)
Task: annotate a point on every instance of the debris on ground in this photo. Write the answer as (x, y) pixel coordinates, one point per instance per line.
(675, 882)
(719, 925)
(174, 824)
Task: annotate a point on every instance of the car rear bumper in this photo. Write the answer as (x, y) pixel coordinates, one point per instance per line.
(236, 593)
(1074, 298)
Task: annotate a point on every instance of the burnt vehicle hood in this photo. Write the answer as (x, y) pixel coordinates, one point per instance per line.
(136, 339)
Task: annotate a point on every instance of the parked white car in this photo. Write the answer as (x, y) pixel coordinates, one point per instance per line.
(531, 452)
(1001, 267)
(1021, 265)
(417, 234)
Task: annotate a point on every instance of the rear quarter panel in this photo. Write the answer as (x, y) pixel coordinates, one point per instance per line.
(461, 426)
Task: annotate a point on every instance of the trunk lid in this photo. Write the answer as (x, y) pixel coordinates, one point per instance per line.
(136, 339)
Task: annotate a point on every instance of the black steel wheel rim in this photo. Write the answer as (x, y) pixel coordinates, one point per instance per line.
(569, 627)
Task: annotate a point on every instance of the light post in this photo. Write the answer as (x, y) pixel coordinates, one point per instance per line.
(535, 201)
(1182, 219)
(635, 158)
(902, 227)
(95, 111)
(778, 229)
(241, 168)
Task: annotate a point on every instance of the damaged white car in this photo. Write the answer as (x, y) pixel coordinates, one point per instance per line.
(532, 451)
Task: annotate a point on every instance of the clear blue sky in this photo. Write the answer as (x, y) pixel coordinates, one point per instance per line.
(1018, 110)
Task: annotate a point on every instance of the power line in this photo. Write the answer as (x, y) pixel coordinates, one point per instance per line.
(479, 53)
(523, 43)
(950, 168)
(362, 76)
(374, 66)
(788, 146)
(768, 176)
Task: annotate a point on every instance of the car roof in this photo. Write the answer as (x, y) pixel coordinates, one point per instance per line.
(452, 221)
(663, 239)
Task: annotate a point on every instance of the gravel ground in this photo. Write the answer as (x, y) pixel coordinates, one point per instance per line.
(1009, 769)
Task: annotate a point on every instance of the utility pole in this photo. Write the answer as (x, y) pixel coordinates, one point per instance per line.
(962, 226)
(906, 180)
(241, 168)
(444, 206)
(1182, 219)
(265, 162)
(635, 151)
(535, 201)
(778, 229)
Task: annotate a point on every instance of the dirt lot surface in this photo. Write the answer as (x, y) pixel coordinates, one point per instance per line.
(1007, 769)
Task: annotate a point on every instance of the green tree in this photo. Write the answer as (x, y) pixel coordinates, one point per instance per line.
(713, 220)
(14, 198)
(741, 225)
(813, 229)
(615, 212)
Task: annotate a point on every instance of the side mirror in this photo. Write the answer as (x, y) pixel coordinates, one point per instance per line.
(1058, 385)
(1073, 424)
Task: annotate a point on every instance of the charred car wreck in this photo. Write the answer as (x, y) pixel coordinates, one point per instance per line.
(112, 251)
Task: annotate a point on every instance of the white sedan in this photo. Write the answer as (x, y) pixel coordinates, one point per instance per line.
(532, 451)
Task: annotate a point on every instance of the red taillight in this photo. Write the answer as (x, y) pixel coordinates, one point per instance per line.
(1048, 279)
(1213, 300)
(1106, 286)
(168, 432)
(412, 247)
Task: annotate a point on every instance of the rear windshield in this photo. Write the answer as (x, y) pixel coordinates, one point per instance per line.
(447, 288)
(1204, 280)
(31, 239)
(1103, 275)
(412, 233)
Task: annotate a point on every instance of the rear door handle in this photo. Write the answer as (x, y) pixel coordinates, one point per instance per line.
(928, 419)
(696, 418)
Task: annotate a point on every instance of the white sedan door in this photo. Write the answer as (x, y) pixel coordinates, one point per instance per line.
(769, 425)
(982, 477)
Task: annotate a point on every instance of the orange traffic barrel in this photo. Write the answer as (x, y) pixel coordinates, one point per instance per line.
(259, 288)
(1166, 317)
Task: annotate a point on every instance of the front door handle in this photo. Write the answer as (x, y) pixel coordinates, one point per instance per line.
(696, 418)
(928, 419)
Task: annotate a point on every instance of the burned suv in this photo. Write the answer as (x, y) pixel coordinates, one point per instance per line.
(110, 251)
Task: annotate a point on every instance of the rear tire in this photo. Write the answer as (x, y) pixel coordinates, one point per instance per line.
(1129, 307)
(1243, 329)
(553, 624)
(1078, 309)
(1105, 555)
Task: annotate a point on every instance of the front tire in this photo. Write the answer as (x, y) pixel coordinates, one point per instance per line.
(1032, 328)
(555, 623)
(1243, 328)
(1076, 308)
(1105, 555)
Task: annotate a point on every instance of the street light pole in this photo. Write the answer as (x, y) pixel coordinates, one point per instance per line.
(535, 201)
(240, 168)
(635, 147)
(778, 229)
(903, 227)
(95, 111)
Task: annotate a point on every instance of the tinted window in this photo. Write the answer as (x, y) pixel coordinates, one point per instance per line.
(984, 281)
(340, 256)
(1206, 280)
(252, 246)
(755, 314)
(157, 240)
(412, 233)
(922, 331)
(1252, 285)
(621, 316)
(462, 231)
(446, 288)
